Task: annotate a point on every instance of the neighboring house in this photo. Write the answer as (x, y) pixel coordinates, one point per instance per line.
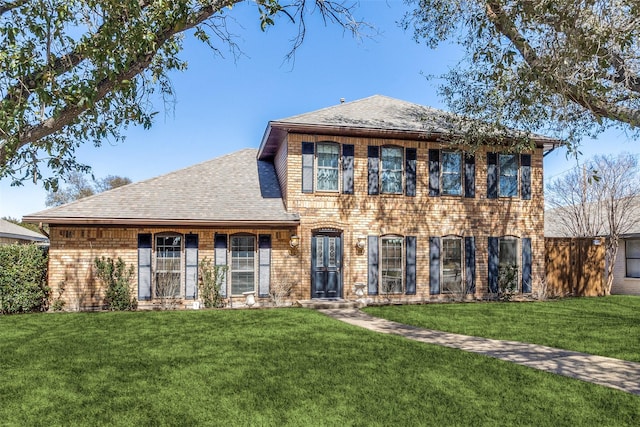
(11, 233)
(356, 201)
(626, 272)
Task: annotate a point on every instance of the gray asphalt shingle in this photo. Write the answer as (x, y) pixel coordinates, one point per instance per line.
(231, 188)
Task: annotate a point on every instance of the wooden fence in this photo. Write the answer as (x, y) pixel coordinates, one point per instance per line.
(575, 266)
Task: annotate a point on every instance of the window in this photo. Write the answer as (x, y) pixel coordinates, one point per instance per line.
(451, 173)
(328, 160)
(508, 263)
(243, 249)
(391, 173)
(168, 266)
(452, 265)
(508, 179)
(632, 255)
(391, 265)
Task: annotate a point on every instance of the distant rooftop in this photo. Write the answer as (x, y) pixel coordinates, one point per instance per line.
(10, 230)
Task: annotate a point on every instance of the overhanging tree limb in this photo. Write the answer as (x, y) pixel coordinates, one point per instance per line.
(73, 71)
(548, 78)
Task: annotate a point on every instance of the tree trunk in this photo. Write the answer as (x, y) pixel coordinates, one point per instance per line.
(610, 257)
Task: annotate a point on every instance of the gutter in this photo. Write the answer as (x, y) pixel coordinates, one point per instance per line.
(162, 222)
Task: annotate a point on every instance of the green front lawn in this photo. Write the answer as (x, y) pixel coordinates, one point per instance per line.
(607, 326)
(269, 367)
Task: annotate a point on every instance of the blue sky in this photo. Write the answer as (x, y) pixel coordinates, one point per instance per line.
(223, 104)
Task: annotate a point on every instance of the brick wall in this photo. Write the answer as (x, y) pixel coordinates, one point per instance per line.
(73, 250)
(422, 216)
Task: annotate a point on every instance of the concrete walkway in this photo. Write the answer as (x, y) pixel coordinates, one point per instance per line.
(614, 373)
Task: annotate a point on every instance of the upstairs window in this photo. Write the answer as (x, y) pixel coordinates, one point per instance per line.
(451, 173)
(324, 167)
(391, 170)
(508, 175)
(328, 159)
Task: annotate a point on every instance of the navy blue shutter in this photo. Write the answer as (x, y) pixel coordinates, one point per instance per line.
(191, 265)
(469, 176)
(525, 176)
(347, 168)
(220, 253)
(470, 264)
(494, 259)
(145, 253)
(492, 176)
(373, 160)
(526, 265)
(410, 180)
(434, 173)
(434, 265)
(410, 271)
(307, 167)
(264, 271)
(372, 255)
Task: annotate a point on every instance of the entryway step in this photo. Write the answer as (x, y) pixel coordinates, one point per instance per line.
(319, 304)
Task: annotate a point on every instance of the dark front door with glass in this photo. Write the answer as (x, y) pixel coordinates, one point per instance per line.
(326, 263)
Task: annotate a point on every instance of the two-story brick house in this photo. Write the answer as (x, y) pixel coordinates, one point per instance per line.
(363, 192)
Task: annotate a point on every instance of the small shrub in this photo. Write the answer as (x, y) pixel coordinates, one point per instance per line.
(23, 279)
(168, 290)
(58, 302)
(211, 279)
(280, 290)
(118, 281)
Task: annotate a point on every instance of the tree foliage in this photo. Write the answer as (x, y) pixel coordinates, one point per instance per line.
(77, 71)
(566, 68)
(78, 187)
(23, 279)
(601, 199)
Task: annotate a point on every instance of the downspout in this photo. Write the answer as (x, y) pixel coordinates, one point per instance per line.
(41, 228)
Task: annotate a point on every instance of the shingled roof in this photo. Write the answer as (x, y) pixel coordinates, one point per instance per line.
(375, 116)
(10, 230)
(235, 189)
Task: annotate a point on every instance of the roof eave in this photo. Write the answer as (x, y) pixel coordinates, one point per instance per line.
(23, 237)
(146, 222)
(275, 132)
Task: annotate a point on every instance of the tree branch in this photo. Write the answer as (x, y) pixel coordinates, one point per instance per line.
(7, 6)
(69, 114)
(600, 108)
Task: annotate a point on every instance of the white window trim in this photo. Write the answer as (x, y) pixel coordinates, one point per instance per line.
(317, 167)
(517, 159)
(626, 258)
(402, 170)
(518, 241)
(460, 173)
(402, 264)
(154, 275)
(230, 263)
(462, 264)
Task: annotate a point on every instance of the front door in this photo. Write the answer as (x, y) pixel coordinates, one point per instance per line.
(326, 263)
